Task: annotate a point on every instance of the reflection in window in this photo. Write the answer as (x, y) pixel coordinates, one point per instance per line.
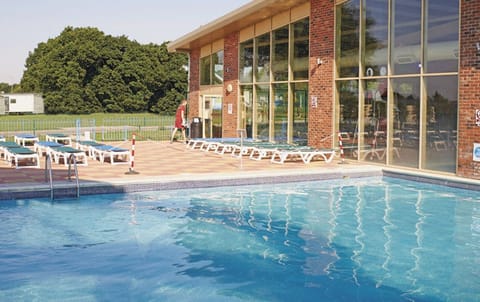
(211, 69)
(376, 37)
(348, 14)
(280, 111)
(280, 54)
(441, 123)
(262, 112)
(406, 33)
(217, 60)
(205, 68)
(246, 109)
(406, 126)
(262, 58)
(441, 54)
(372, 134)
(268, 109)
(300, 113)
(347, 120)
(246, 62)
(300, 50)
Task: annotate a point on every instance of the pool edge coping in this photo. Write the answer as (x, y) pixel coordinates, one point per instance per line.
(188, 181)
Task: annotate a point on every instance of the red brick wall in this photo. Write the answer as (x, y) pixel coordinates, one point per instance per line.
(469, 88)
(194, 89)
(230, 76)
(322, 32)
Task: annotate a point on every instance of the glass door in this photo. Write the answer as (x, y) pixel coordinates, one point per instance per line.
(212, 116)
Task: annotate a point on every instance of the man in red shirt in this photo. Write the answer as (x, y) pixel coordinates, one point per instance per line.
(180, 120)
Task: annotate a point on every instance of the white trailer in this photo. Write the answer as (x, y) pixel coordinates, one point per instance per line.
(21, 103)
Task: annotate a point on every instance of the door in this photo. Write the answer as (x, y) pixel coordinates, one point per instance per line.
(212, 116)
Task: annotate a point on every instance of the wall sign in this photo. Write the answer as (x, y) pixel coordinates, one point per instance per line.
(314, 102)
(476, 152)
(477, 117)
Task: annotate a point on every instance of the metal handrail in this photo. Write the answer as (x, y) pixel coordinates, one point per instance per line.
(73, 159)
(49, 173)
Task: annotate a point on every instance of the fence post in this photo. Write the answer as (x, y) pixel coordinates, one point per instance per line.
(78, 129)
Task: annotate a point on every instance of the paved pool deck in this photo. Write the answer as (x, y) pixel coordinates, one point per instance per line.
(161, 165)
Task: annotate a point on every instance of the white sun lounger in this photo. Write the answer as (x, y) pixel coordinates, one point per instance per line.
(305, 154)
(22, 157)
(59, 138)
(24, 139)
(87, 145)
(115, 155)
(4, 146)
(63, 153)
(42, 147)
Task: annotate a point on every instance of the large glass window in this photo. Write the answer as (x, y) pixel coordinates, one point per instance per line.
(217, 72)
(406, 107)
(211, 69)
(372, 134)
(262, 58)
(280, 54)
(376, 37)
(406, 34)
(441, 123)
(262, 112)
(441, 54)
(205, 69)
(246, 109)
(407, 104)
(280, 112)
(347, 116)
(300, 113)
(246, 62)
(300, 49)
(274, 72)
(348, 15)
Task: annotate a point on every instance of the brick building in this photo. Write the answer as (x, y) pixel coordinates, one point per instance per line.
(398, 81)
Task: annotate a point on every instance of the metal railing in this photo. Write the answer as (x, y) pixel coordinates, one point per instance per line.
(72, 161)
(114, 129)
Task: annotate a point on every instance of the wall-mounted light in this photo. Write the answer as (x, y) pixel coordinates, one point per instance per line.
(319, 61)
(229, 88)
(478, 46)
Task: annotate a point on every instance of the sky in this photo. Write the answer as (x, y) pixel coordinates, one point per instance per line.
(26, 23)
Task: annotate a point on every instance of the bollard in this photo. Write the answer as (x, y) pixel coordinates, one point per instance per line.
(131, 169)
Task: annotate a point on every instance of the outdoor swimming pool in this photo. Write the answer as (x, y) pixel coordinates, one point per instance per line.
(372, 239)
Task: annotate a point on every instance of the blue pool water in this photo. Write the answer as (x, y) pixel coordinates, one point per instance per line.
(373, 239)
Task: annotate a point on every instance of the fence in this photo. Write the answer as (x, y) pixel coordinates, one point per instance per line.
(114, 129)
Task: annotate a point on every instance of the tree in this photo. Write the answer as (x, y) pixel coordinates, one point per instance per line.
(85, 71)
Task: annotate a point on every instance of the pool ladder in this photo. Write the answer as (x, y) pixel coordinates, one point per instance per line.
(49, 174)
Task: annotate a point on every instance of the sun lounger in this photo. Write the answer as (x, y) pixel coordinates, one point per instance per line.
(114, 154)
(59, 138)
(306, 154)
(216, 144)
(22, 157)
(63, 154)
(266, 150)
(4, 146)
(87, 145)
(42, 147)
(25, 139)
